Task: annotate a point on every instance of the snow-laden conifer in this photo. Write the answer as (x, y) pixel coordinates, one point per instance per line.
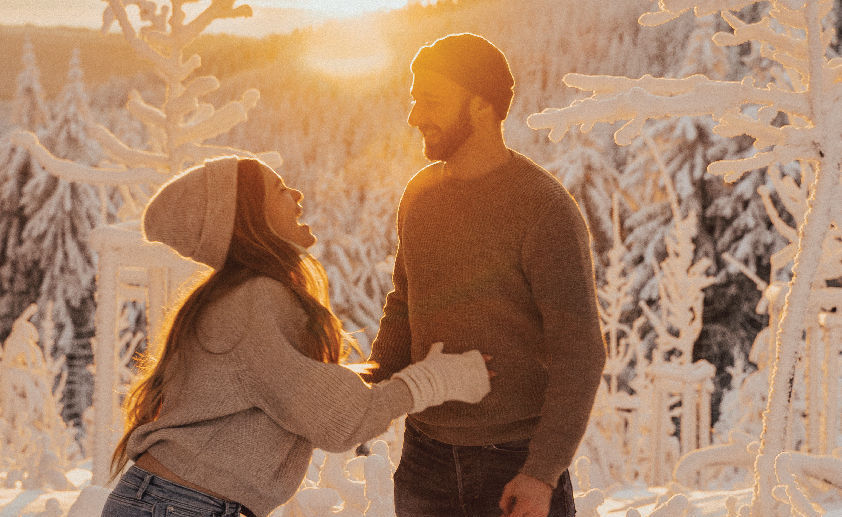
(18, 285)
(60, 216)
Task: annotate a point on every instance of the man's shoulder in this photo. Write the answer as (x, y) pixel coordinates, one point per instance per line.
(538, 184)
(425, 177)
(423, 180)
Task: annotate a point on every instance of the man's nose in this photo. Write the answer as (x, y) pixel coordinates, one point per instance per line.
(412, 118)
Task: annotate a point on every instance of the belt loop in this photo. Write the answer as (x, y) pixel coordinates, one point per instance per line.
(143, 485)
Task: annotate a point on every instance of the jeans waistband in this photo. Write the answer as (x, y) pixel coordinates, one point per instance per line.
(142, 482)
(420, 434)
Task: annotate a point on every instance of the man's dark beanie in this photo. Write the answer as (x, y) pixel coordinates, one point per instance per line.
(472, 62)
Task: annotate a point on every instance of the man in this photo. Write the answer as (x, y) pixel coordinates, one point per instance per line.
(494, 254)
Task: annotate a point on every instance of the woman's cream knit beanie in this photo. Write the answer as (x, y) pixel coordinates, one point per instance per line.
(193, 213)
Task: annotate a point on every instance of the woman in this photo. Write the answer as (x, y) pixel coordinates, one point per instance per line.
(248, 380)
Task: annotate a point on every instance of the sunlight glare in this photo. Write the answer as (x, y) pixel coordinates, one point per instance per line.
(336, 8)
(349, 54)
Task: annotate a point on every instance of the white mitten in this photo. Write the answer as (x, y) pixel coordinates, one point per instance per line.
(441, 377)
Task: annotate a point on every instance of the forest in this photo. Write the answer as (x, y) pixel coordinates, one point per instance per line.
(333, 101)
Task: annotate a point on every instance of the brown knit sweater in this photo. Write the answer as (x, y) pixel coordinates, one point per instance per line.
(500, 263)
(246, 409)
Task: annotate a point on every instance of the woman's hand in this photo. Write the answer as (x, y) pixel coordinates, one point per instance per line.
(440, 377)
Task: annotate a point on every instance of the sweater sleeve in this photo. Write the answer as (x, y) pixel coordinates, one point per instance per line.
(557, 263)
(391, 347)
(328, 404)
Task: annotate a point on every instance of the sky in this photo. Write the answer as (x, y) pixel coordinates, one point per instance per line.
(270, 16)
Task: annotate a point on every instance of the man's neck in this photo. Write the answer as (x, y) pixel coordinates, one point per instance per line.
(476, 157)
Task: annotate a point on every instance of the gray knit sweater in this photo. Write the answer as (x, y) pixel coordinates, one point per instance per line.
(246, 409)
(500, 263)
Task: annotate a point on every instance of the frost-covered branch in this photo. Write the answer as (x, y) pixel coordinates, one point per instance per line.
(761, 284)
(734, 453)
(795, 471)
(637, 101)
(220, 122)
(672, 9)
(149, 115)
(72, 171)
(182, 35)
(125, 154)
(761, 31)
(682, 282)
(117, 10)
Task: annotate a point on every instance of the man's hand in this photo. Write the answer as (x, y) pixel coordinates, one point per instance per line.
(525, 496)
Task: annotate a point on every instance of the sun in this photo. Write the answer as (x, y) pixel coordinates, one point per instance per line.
(350, 52)
(336, 8)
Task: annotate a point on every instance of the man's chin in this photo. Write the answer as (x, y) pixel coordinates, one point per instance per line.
(435, 154)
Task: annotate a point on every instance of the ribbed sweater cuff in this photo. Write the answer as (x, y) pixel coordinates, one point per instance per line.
(542, 470)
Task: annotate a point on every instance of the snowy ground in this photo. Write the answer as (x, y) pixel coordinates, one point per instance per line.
(41, 503)
(37, 503)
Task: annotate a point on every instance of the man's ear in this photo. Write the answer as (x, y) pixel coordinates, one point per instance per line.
(479, 106)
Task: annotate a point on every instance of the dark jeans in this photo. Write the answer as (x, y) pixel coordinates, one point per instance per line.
(435, 479)
(141, 494)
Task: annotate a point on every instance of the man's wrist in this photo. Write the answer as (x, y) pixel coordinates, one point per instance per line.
(542, 472)
(530, 476)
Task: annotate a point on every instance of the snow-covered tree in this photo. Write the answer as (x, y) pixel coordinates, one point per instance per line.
(681, 284)
(686, 145)
(731, 217)
(792, 33)
(179, 126)
(30, 110)
(36, 446)
(18, 285)
(59, 217)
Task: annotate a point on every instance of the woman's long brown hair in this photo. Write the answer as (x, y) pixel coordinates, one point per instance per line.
(254, 250)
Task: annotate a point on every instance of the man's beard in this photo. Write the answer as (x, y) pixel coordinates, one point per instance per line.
(451, 138)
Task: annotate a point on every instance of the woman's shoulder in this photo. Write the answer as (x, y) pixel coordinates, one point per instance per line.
(232, 314)
(262, 290)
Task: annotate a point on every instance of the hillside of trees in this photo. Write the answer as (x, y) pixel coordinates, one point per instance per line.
(341, 129)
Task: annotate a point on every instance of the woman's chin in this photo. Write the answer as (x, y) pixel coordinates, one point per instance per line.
(309, 239)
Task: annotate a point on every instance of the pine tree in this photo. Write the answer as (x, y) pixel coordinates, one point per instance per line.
(18, 285)
(60, 216)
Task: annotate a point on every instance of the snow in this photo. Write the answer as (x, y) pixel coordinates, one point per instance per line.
(87, 500)
(649, 449)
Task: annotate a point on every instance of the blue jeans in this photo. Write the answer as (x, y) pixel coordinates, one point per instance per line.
(141, 494)
(435, 479)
